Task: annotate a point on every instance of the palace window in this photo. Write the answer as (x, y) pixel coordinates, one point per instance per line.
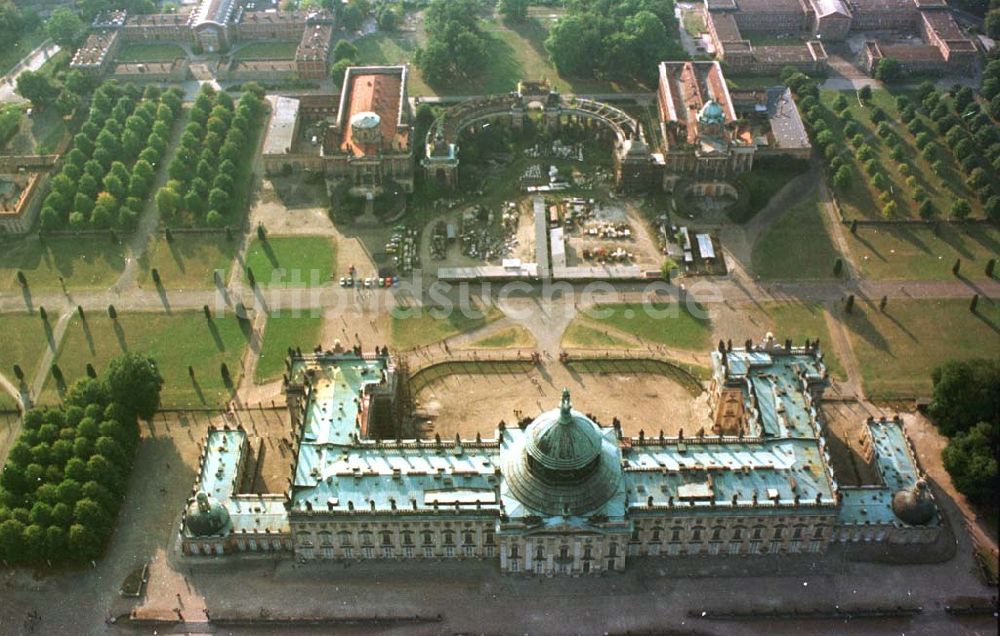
(387, 553)
(408, 551)
(428, 538)
(656, 534)
(539, 553)
(779, 532)
(449, 550)
(449, 537)
(368, 552)
(797, 532)
(675, 533)
(613, 550)
(488, 538)
(513, 551)
(737, 533)
(345, 538)
(386, 538)
(717, 533)
(563, 552)
(428, 552)
(407, 537)
(468, 550)
(348, 552)
(758, 532)
(366, 538)
(468, 538)
(696, 533)
(586, 552)
(818, 532)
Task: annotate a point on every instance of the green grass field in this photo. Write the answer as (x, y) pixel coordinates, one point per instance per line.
(917, 253)
(89, 263)
(292, 261)
(27, 346)
(861, 199)
(507, 338)
(266, 51)
(283, 331)
(161, 52)
(673, 325)
(693, 21)
(579, 333)
(187, 262)
(173, 340)
(798, 245)
(899, 348)
(418, 327)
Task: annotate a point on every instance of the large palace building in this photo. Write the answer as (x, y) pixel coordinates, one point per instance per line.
(564, 494)
(361, 136)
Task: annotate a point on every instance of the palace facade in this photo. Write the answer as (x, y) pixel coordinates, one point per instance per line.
(564, 494)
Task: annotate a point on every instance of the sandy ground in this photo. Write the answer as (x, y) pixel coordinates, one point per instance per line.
(466, 404)
(642, 245)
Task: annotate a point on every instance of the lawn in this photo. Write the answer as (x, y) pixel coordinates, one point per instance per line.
(693, 21)
(917, 253)
(517, 52)
(283, 331)
(861, 199)
(266, 51)
(162, 52)
(173, 340)
(27, 347)
(13, 52)
(292, 261)
(581, 334)
(673, 325)
(515, 337)
(899, 348)
(189, 261)
(418, 327)
(798, 245)
(92, 262)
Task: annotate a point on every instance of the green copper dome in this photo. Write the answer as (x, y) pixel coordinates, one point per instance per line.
(565, 465)
(206, 517)
(563, 439)
(712, 113)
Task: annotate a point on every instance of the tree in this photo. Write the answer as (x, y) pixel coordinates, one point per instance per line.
(64, 27)
(965, 392)
(345, 50)
(167, 202)
(843, 177)
(970, 459)
(865, 93)
(960, 209)
(352, 17)
(515, 10)
(37, 88)
(135, 382)
(888, 70)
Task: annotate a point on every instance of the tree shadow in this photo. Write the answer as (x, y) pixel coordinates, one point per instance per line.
(269, 252)
(163, 298)
(26, 294)
(197, 390)
(906, 234)
(859, 324)
(899, 325)
(49, 336)
(953, 237)
(871, 248)
(120, 335)
(216, 336)
(88, 335)
(175, 254)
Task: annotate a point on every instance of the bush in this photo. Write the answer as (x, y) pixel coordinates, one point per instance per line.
(926, 209)
(960, 209)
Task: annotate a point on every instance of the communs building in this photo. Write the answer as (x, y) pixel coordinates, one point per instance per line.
(734, 24)
(562, 493)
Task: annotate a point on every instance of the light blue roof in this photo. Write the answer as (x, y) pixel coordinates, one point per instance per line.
(334, 403)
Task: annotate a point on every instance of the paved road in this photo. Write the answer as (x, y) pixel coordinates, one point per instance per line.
(32, 62)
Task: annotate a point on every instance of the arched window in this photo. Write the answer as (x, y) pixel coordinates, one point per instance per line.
(449, 537)
(428, 537)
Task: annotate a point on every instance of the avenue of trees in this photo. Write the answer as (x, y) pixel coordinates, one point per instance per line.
(951, 130)
(108, 171)
(213, 150)
(966, 408)
(67, 473)
(614, 39)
